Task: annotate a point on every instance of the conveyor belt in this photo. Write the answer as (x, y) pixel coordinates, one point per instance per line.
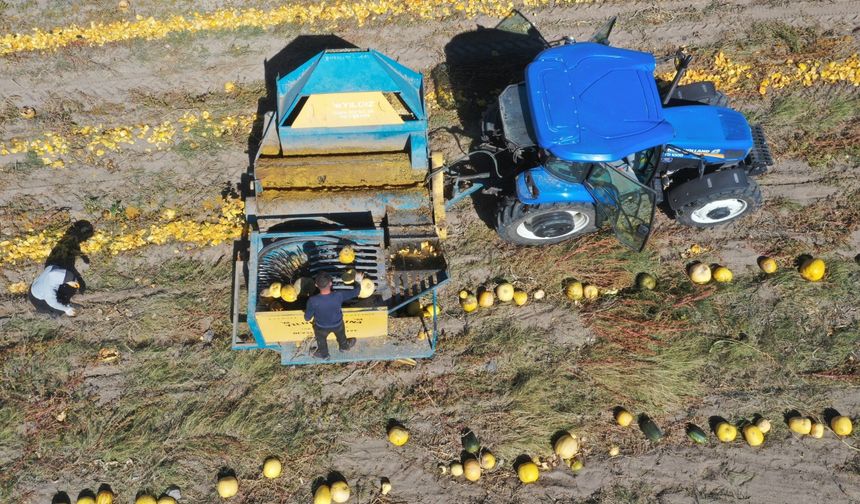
(287, 260)
(343, 171)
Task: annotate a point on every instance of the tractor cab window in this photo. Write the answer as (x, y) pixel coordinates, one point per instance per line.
(640, 165)
(570, 171)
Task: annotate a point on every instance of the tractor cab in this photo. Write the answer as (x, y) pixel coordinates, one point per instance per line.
(597, 122)
(600, 143)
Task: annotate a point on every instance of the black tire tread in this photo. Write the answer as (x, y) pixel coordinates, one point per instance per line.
(752, 192)
(511, 211)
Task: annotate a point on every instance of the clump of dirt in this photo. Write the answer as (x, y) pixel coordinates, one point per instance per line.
(104, 382)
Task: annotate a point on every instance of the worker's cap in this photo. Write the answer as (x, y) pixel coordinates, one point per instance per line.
(323, 280)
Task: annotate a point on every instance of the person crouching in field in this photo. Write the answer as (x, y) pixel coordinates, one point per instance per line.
(52, 291)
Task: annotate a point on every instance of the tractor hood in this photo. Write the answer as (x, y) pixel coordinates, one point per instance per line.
(591, 102)
(716, 132)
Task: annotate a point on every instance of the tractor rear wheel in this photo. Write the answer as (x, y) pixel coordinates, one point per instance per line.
(543, 224)
(720, 207)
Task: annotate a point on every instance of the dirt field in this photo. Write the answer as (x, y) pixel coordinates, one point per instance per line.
(145, 138)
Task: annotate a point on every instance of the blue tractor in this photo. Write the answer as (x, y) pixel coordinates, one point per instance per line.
(597, 139)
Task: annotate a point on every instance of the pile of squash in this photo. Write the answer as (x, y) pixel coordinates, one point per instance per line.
(504, 292)
(474, 461)
(812, 269)
(753, 431)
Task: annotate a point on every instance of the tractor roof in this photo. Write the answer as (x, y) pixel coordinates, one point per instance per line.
(591, 102)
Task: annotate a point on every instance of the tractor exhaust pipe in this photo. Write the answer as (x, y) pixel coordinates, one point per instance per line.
(682, 61)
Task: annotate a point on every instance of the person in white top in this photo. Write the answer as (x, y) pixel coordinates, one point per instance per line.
(52, 291)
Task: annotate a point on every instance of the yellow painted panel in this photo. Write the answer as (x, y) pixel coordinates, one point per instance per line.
(334, 110)
(290, 326)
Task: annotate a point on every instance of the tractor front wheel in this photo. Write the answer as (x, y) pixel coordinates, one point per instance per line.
(543, 224)
(720, 207)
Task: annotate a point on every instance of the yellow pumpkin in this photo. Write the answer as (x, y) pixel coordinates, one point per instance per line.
(700, 273)
(289, 294)
(385, 486)
(464, 294)
(813, 269)
(528, 472)
(166, 499)
(722, 274)
(539, 294)
(646, 281)
(340, 491)
(275, 289)
(322, 495)
(573, 291)
(456, 469)
(28, 112)
(145, 499)
(841, 425)
(367, 288)
(430, 310)
(505, 292)
(567, 446)
(726, 432)
(472, 469)
(753, 435)
(227, 487)
(763, 425)
(469, 304)
(816, 430)
(346, 255)
(229, 87)
(488, 460)
(800, 425)
(590, 292)
(485, 299)
(768, 265)
(623, 417)
(575, 464)
(520, 297)
(398, 435)
(614, 450)
(272, 467)
(86, 499)
(104, 497)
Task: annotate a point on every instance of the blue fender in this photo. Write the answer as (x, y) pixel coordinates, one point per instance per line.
(549, 189)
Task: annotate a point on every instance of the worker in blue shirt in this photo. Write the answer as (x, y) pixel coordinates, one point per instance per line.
(325, 310)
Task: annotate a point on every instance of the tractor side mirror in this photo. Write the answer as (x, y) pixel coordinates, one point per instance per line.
(682, 59)
(601, 36)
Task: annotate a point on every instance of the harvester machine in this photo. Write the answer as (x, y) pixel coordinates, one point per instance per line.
(343, 163)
